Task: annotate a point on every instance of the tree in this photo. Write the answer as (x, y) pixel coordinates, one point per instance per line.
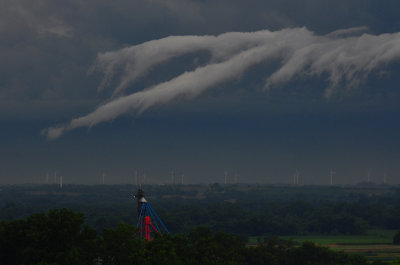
(162, 251)
(56, 237)
(395, 262)
(12, 242)
(59, 238)
(396, 239)
(121, 246)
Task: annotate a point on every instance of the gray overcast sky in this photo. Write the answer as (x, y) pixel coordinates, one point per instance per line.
(308, 85)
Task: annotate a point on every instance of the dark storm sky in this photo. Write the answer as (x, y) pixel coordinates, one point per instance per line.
(48, 50)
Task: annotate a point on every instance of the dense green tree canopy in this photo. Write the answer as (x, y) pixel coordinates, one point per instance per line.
(56, 237)
(59, 238)
(242, 209)
(396, 239)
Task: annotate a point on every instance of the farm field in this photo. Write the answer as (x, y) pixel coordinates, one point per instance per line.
(382, 252)
(375, 244)
(379, 236)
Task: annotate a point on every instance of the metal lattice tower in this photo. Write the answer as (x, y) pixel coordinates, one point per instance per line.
(148, 222)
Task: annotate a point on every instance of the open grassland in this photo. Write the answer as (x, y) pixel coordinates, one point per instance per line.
(375, 244)
(370, 238)
(382, 252)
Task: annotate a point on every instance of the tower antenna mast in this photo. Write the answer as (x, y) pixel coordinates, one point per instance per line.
(148, 222)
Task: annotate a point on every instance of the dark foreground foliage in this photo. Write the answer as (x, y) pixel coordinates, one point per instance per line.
(56, 237)
(248, 210)
(59, 237)
(396, 238)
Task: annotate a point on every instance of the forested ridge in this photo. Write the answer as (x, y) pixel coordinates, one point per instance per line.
(60, 237)
(248, 210)
(209, 224)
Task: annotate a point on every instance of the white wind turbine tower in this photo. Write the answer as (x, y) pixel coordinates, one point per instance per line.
(296, 178)
(61, 182)
(384, 178)
(236, 177)
(103, 177)
(172, 177)
(225, 176)
(369, 176)
(182, 176)
(331, 173)
(47, 177)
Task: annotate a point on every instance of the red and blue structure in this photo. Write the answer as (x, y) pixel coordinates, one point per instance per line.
(148, 223)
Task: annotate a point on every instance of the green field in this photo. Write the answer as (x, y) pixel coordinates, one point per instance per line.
(375, 244)
(371, 237)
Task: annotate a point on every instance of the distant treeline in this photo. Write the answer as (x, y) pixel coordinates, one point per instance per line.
(240, 209)
(290, 218)
(59, 237)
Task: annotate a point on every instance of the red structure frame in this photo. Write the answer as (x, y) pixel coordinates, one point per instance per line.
(148, 228)
(148, 221)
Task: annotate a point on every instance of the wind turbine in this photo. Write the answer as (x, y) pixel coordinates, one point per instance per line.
(369, 176)
(296, 178)
(225, 176)
(331, 173)
(103, 177)
(172, 177)
(236, 177)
